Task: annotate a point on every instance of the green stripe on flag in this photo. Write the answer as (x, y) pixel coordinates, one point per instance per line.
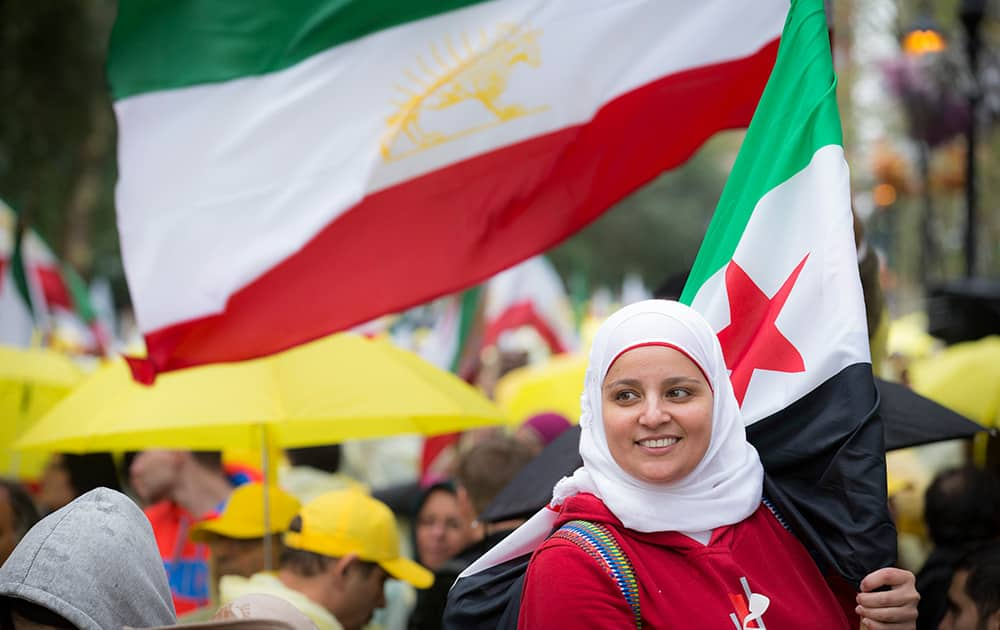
(467, 317)
(168, 44)
(18, 270)
(78, 291)
(796, 116)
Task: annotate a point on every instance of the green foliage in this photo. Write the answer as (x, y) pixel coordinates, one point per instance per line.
(57, 130)
(657, 230)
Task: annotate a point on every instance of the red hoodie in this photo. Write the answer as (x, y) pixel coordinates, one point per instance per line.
(682, 583)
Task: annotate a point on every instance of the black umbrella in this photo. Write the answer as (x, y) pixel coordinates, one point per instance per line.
(908, 419)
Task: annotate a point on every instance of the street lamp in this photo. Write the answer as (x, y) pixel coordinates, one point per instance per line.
(923, 38)
(971, 14)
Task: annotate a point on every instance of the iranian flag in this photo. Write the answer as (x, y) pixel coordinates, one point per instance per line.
(290, 169)
(777, 277)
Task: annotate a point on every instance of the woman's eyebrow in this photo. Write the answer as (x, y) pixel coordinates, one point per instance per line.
(678, 380)
(632, 382)
(670, 380)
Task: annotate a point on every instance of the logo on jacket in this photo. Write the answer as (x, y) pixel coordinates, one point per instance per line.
(750, 608)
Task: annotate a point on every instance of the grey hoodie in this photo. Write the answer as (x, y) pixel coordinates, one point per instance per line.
(95, 563)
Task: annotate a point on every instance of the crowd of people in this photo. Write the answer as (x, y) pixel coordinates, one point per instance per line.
(200, 544)
(663, 525)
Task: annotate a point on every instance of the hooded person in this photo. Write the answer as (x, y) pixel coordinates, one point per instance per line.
(664, 524)
(92, 565)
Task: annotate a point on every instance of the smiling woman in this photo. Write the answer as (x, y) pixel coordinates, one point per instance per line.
(664, 525)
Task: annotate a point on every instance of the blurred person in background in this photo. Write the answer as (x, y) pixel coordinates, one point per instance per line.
(431, 530)
(439, 528)
(313, 471)
(235, 540)
(179, 488)
(339, 551)
(974, 593)
(482, 472)
(67, 476)
(235, 535)
(92, 565)
(17, 515)
(961, 508)
(539, 431)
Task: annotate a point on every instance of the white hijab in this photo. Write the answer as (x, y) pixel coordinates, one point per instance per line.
(724, 488)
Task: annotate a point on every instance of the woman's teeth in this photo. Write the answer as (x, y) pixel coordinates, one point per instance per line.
(659, 443)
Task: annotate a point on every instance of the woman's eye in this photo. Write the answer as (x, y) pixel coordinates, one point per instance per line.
(625, 396)
(678, 393)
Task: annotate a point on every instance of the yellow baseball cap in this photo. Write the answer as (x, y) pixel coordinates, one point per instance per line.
(349, 521)
(243, 514)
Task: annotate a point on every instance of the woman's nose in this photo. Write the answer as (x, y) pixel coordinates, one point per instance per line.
(653, 413)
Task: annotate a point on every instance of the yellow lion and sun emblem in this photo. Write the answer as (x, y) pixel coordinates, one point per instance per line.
(460, 77)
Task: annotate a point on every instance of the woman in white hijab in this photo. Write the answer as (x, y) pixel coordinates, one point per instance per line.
(664, 524)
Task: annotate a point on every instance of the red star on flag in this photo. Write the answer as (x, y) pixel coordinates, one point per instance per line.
(751, 341)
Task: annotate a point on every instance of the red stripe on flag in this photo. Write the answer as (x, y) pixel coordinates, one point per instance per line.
(523, 314)
(53, 288)
(456, 226)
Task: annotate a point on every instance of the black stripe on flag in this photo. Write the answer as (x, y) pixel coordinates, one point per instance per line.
(824, 458)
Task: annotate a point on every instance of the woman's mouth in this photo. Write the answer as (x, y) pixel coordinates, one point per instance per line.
(658, 442)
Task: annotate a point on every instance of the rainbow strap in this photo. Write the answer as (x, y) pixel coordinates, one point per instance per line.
(597, 542)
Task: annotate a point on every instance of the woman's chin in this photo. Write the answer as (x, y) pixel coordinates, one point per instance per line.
(659, 475)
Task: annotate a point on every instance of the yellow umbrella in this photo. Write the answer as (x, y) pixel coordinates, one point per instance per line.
(964, 377)
(32, 381)
(338, 388)
(555, 385)
(908, 337)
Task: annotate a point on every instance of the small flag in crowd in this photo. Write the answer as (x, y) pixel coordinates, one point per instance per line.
(41, 298)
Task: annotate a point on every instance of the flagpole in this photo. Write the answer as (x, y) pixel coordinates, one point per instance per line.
(266, 466)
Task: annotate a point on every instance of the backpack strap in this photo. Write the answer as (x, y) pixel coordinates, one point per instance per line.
(777, 514)
(597, 541)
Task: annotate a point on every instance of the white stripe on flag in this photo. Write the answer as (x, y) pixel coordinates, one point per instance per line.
(270, 160)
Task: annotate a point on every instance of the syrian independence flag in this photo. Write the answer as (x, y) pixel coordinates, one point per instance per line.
(290, 170)
(777, 277)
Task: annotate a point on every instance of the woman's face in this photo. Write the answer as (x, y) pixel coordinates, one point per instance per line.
(657, 409)
(440, 529)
